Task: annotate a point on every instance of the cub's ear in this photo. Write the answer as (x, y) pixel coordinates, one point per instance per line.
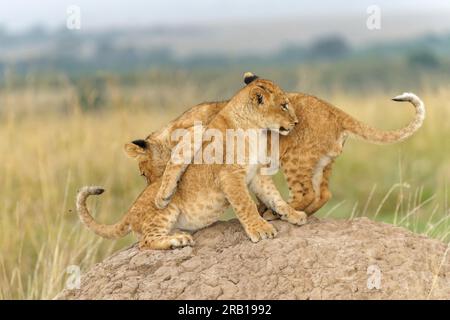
(140, 143)
(136, 148)
(249, 77)
(257, 96)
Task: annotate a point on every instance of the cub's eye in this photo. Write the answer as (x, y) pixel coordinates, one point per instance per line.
(285, 107)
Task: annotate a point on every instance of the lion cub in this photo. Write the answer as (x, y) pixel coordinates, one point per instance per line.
(206, 190)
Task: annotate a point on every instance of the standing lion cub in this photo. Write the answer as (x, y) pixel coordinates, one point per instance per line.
(208, 189)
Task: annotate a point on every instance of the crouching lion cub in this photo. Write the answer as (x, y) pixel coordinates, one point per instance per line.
(208, 189)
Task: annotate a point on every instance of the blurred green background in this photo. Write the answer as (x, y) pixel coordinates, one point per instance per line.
(71, 98)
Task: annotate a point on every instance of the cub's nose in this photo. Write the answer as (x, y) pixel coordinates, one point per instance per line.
(295, 122)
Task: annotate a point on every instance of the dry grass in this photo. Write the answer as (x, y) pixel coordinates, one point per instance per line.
(46, 156)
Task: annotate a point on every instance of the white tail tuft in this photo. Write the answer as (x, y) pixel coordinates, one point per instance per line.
(91, 190)
(418, 104)
(407, 96)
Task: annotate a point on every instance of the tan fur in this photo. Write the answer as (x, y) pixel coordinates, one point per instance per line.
(206, 190)
(307, 154)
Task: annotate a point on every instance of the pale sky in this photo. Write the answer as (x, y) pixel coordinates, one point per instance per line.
(101, 14)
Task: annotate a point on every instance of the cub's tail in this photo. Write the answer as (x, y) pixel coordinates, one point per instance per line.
(370, 134)
(113, 231)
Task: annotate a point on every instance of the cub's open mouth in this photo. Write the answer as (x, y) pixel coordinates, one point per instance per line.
(283, 131)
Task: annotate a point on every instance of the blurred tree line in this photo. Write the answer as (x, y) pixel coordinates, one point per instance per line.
(329, 63)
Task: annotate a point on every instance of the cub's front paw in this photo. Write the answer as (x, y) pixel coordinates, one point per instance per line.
(295, 217)
(269, 215)
(260, 229)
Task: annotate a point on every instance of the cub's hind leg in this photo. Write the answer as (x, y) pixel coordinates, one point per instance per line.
(298, 171)
(267, 192)
(156, 230)
(325, 193)
(299, 176)
(322, 176)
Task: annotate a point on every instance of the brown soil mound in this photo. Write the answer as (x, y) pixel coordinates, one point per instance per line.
(325, 259)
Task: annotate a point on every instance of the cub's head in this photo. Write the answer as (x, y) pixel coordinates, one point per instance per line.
(151, 156)
(269, 105)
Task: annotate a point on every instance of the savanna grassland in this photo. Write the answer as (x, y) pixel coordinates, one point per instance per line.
(57, 138)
